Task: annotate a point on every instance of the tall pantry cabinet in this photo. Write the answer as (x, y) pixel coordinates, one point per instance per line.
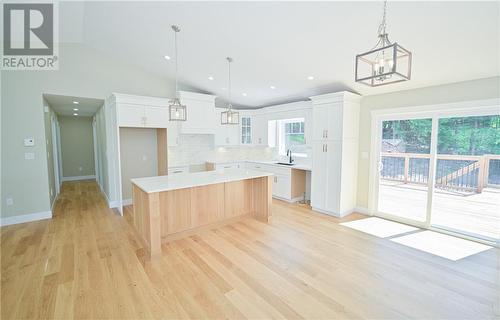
(335, 152)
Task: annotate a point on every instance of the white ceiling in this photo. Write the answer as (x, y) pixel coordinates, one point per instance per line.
(64, 106)
(282, 43)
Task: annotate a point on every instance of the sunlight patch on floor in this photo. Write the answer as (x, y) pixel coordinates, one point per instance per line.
(442, 245)
(379, 227)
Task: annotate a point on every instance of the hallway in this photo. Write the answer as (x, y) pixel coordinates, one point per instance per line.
(87, 262)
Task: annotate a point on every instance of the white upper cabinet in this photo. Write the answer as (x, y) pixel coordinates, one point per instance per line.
(156, 117)
(130, 115)
(145, 112)
(201, 113)
(225, 134)
(259, 134)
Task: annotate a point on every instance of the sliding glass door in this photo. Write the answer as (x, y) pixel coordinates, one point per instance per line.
(466, 195)
(404, 169)
(440, 171)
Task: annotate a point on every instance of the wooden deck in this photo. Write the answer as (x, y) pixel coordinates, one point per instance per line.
(476, 213)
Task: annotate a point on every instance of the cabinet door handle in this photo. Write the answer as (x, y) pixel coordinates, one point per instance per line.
(326, 148)
(226, 167)
(323, 148)
(177, 171)
(326, 134)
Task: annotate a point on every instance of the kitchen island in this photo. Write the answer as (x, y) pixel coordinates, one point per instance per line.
(171, 207)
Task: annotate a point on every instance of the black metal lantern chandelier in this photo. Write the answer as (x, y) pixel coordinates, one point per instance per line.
(385, 63)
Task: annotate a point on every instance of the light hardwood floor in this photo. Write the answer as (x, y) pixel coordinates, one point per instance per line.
(88, 263)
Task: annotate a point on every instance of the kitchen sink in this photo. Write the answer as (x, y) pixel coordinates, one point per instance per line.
(285, 163)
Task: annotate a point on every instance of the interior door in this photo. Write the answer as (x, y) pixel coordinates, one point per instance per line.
(404, 161)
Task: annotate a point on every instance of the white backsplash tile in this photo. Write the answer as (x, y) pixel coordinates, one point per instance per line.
(199, 148)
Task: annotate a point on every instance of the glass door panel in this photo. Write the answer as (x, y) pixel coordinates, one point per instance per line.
(403, 183)
(466, 188)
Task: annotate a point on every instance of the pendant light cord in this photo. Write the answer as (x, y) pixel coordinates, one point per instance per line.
(383, 24)
(176, 63)
(229, 60)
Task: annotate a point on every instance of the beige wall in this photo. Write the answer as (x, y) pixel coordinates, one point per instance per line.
(77, 146)
(102, 170)
(462, 91)
(138, 156)
(83, 72)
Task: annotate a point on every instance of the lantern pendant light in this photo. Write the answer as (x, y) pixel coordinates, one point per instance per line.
(385, 63)
(177, 111)
(229, 116)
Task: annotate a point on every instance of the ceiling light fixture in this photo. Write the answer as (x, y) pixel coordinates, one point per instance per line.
(166, 57)
(177, 111)
(75, 114)
(310, 78)
(244, 94)
(229, 116)
(210, 78)
(385, 63)
(75, 109)
(76, 102)
(272, 87)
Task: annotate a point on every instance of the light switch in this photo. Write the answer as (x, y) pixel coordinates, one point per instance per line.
(29, 142)
(29, 156)
(9, 201)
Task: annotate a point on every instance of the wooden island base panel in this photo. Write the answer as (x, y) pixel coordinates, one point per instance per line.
(171, 207)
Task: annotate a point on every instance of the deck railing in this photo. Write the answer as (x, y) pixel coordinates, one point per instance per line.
(453, 172)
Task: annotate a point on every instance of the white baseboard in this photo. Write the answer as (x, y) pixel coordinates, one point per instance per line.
(333, 214)
(126, 202)
(362, 210)
(78, 178)
(6, 221)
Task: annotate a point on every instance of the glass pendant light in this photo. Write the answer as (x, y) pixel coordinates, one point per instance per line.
(385, 63)
(177, 111)
(229, 116)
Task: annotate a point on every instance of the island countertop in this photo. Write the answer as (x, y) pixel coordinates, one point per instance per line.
(195, 179)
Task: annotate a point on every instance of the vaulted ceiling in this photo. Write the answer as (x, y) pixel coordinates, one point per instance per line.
(281, 44)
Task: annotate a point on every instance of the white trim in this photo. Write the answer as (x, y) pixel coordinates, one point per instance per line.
(94, 140)
(55, 154)
(76, 178)
(6, 221)
(127, 202)
(334, 214)
(362, 210)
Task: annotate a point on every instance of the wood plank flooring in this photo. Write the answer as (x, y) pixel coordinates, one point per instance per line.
(88, 263)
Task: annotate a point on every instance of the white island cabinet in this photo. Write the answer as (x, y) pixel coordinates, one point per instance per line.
(335, 153)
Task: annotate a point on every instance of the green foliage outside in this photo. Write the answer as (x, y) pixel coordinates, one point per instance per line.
(461, 136)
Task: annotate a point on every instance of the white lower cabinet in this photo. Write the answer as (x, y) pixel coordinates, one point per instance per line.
(282, 179)
(282, 187)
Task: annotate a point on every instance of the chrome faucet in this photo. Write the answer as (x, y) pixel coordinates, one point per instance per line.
(289, 155)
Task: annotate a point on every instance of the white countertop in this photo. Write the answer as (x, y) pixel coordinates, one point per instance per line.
(298, 166)
(196, 179)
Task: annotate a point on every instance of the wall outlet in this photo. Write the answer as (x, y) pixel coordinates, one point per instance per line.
(29, 142)
(29, 156)
(9, 201)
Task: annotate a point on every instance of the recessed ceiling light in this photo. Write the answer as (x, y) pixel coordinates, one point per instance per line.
(244, 94)
(166, 57)
(75, 109)
(75, 114)
(272, 87)
(210, 78)
(76, 102)
(310, 78)
(224, 88)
